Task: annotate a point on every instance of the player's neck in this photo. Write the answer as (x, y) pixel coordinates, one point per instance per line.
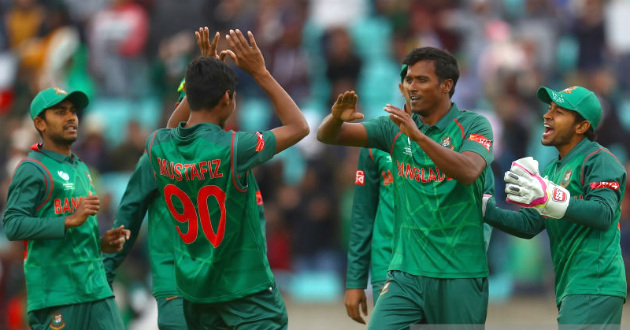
(564, 149)
(436, 114)
(56, 147)
(198, 117)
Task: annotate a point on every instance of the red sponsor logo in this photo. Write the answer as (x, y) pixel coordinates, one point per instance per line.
(360, 178)
(559, 195)
(481, 139)
(613, 185)
(387, 178)
(260, 145)
(259, 199)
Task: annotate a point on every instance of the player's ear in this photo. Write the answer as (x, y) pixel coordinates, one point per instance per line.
(582, 127)
(447, 84)
(40, 123)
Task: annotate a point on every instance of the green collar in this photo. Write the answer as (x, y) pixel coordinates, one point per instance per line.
(186, 132)
(55, 155)
(442, 123)
(575, 151)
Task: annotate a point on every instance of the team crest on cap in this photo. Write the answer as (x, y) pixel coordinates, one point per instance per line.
(56, 321)
(566, 178)
(446, 142)
(60, 91)
(568, 90)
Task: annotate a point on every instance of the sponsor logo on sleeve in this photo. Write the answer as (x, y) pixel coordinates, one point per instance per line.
(481, 140)
(360, 178)
(260, 145)
(259, 199)
(612, 185)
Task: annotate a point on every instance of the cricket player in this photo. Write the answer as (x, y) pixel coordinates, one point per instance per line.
(577, 199)
(52, 207)
(438, 272)
(141, 195)
(204, 175)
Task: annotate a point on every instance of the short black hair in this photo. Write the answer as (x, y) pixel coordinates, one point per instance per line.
(207, 79)
(445, 64)
(590, 133)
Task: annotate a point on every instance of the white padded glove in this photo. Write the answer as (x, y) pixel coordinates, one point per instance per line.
(525, 187)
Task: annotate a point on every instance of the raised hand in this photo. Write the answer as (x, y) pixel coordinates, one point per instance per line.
(345, 107)
(114, 239)
(88, 206)
(247, 57)
(207, 48)
(403, 120)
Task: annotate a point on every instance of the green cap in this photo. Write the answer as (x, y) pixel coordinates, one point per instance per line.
(181, 90)
(52, 96)
(576, 98)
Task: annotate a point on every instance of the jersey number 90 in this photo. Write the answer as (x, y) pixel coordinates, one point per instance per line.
(189, 214)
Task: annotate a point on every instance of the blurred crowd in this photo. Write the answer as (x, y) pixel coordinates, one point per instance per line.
(130, 55)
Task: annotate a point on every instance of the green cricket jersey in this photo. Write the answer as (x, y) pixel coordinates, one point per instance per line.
(438, 227)
(204, 175)
(142, 195)
(372, 221)
(585, 246)
(61, 266)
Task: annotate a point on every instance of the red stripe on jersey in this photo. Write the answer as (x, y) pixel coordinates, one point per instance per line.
(391, 152)
(461, 128)
(360, 178)
(612, 185)
(371, 155)
(232, 165)
(46, 180)
(589, 156)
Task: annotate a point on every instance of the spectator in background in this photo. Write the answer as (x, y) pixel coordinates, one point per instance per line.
(117, 38)
(344, 65)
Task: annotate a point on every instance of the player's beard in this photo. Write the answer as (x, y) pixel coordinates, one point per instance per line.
(559, 139)
(59, 139)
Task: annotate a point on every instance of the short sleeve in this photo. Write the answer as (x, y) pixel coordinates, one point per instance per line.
(479, 139)
(253, 149)
(381, 133)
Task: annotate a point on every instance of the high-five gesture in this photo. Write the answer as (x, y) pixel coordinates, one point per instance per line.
(345, 107)
(247, 57)
(207, 48)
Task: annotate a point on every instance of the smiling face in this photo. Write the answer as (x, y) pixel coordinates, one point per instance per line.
(59, 124)
(561, 129)
(422, 90)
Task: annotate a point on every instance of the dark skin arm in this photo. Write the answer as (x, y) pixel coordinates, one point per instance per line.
(464, 167)
(355, 299)
(337, 128)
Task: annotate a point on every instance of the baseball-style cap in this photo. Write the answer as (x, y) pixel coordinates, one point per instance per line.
(181, 90)
(576, 98)
(52, 96)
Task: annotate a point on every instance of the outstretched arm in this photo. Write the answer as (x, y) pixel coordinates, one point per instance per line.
(248, 57)
(336, 127)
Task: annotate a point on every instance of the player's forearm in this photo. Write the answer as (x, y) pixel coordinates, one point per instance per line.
(287, 111)
(18, 227)
(180, 114)
(464, 168)
(329, 130)
(521, 224)
(589, 213)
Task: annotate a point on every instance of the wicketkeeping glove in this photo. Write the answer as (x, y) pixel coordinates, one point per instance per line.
(525, 187)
